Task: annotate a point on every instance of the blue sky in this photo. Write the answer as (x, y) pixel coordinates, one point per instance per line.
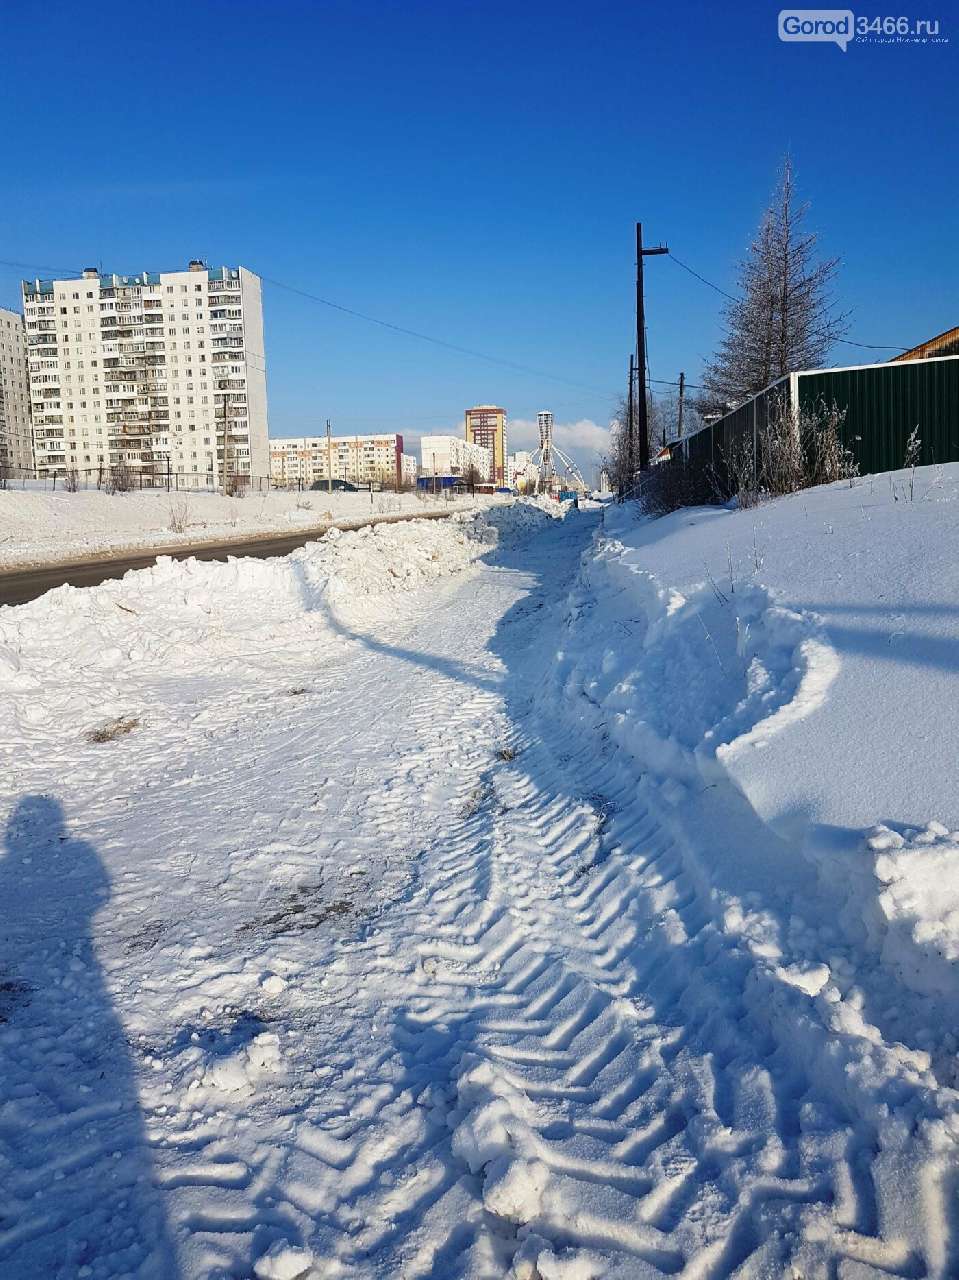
(474, 171)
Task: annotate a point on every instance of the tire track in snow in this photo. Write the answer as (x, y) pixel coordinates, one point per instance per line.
(613, 1094)
(562, 1064)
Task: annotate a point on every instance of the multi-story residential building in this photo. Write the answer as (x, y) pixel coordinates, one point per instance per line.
(486, 426)
(302, 460)
(451, 456)
(153, 370)
(408, 469)
(16, 436)
(520, 471)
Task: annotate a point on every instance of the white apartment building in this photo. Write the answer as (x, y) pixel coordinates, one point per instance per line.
(16, 434)
(454, 456)
(408, 469)
(147, 369)
(519, 469)
(302, 460)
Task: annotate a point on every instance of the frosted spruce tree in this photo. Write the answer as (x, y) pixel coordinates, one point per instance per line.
(785, 316)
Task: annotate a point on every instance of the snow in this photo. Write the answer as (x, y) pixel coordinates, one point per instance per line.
(538, 894)
(876, 573)
(40, 526)
(283, 1262)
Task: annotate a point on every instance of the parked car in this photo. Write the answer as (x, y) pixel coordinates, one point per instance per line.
(340, 486)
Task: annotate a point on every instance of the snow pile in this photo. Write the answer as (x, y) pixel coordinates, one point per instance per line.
(899, 896)
(846, 595)
(920, 905)
(511, 522)
(242, 1071)
(687, 681)
(166, 615)
(44, 527)
(283, 1261)
(783, 677)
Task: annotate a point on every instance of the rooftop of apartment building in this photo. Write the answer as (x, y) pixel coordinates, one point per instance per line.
(112, 280)
(292, 442)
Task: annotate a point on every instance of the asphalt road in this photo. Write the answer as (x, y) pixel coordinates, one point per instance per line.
(21, 585)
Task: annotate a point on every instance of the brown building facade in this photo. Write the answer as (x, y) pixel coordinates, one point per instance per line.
(486, 426)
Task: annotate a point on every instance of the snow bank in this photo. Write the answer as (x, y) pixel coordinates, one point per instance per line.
(167, 615)
(849, 595)
(785, 679)
(688, 682)
(898, 892)
(43, 527)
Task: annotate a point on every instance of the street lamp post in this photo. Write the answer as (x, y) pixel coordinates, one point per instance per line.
(224, 473)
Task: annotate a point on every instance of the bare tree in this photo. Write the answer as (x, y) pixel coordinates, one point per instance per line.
(120, 478)
(616, 462)
(785, 317)
(180, 514)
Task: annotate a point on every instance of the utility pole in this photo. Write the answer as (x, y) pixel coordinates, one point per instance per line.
(682, 393)
(642, 415)
(630, 433)
(329, 458)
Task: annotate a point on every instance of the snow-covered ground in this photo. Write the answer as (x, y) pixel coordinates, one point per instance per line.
(517, 896)
(40, 526)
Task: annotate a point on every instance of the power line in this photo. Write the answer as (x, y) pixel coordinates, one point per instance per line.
(868, 346)
(426, 337)
(703, 279)
(872, 346)
(451, 346)
(665, 382)
(40, 266)
(360, 315)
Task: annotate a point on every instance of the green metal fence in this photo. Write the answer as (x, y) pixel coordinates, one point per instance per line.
(883, 405)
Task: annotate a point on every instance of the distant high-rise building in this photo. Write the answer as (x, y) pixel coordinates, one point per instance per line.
(16, 436)
(147, 370)
(451, 456)
(303, 460)
(520, 470)
(486, 426)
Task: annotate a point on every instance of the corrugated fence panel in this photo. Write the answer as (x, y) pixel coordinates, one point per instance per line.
(699, 449)
(885, 402)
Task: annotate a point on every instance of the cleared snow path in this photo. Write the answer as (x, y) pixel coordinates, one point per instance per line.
(378, 968)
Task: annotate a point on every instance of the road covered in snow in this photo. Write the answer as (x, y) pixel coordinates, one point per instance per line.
(42, 526)
(480, 898)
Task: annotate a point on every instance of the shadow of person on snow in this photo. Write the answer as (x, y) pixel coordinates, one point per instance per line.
(77, 1195)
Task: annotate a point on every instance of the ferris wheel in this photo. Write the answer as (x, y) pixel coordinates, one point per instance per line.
(549, 459)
